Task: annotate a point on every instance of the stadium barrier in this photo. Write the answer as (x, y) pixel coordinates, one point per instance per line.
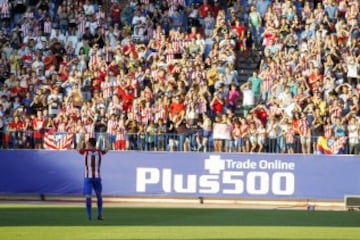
(195, 175)
(192, 141)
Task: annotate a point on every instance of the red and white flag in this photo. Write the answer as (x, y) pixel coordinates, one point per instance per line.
(58, 141)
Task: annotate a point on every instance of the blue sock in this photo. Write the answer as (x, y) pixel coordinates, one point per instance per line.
(88, 207)
(99, 205)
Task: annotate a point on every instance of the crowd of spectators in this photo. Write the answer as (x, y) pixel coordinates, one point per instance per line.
(162, 75)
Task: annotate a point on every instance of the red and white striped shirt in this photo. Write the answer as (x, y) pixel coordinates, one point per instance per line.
(176, 45)
(304, 127)
(170, 55)
(5, 9)
(157, 35)
(82, 26)
(90, 131)
(121, 133)
(267, 80)
(160, 113)
(184, 44)
(112, 127)
(47, 27)
(92, 160)
(289, 137)
(61, 127)
(146, 115)
(202, 106)
(107, 89)
(25, 28)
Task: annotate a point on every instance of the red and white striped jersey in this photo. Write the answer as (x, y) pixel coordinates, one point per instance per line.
(160, 113)
(25, 28)
(289, 137)
(61, 127)
(112, 127)
(47, 27)
(304, 127)
(147, 115)
(157, 35)
(82, 26)
(267, 80)
(202, 106)
(176, 45)
(183, 44)
(90, 130)
(5, 9)
(170, 55)
(94, 60)
(92, 160)
(107, 89)
(121, 133)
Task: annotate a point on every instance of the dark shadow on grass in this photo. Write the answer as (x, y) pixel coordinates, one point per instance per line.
(176, 217)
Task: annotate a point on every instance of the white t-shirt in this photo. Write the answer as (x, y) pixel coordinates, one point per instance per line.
(73, 39)
(285, 99)
(352, 70)
(248, 97)
(353, 134)
(88, 9)
(138, 20)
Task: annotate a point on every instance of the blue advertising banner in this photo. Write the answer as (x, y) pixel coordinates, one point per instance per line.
(185, 174)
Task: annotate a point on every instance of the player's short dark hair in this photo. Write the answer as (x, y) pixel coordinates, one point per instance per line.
(92, 142)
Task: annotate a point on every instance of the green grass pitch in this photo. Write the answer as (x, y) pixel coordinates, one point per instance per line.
(39, 222)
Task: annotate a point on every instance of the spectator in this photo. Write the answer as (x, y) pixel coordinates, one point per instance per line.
(109, 62)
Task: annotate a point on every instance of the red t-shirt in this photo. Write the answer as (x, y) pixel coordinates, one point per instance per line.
(38, 125)
(218, 106)
(205, 9)
(16, 125)
(127, 100)
(115, 12)
(177, 107)
(18, 91)
(96, 84)
(102, 75)
(262, 116)
(240, 30)
(132, 48)
(314, 79)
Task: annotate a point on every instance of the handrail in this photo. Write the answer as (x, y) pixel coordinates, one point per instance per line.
(194, 141)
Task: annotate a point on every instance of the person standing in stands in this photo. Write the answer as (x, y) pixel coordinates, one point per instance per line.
(92, 178)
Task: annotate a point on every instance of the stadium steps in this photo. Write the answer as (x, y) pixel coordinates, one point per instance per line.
(246, 65)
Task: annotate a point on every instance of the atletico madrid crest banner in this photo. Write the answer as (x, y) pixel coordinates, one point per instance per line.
(58, 141)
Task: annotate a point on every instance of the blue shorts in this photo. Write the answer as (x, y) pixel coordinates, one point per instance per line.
(112, 138)
(90, 184)
(207, 133)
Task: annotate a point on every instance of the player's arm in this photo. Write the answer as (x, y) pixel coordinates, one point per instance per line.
(107, 145)
(81, 146)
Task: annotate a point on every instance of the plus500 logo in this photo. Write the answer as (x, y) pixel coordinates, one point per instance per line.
(227, 182)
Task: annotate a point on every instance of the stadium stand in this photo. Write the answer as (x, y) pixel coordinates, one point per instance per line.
(181, 75)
